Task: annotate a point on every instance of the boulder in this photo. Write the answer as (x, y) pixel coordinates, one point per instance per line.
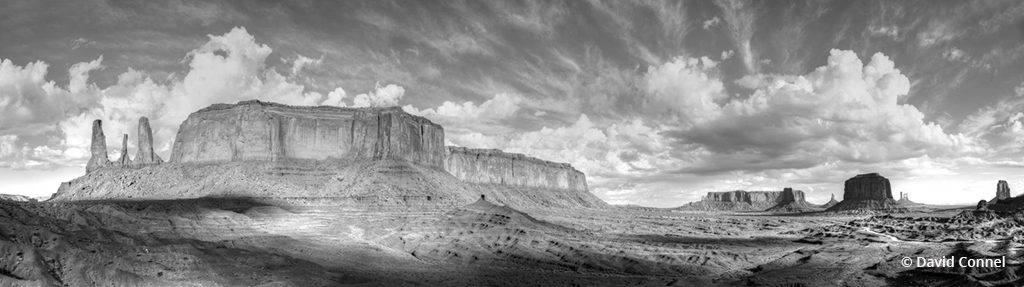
(867, 192)
(98, 149)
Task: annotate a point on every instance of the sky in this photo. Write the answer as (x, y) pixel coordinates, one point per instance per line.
(658, 102)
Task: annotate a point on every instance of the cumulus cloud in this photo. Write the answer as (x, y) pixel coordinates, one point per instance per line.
(714, 21)
(381, 96)
(500, 107)
(336, 97)
(28, 101)
(301, 62)
(846, 110)
(687, 87)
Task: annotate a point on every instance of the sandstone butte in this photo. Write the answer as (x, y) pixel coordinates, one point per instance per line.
(867, 192)
(787, 200)
(380, 157)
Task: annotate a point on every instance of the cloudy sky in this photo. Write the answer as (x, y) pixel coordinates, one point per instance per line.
(658, 102)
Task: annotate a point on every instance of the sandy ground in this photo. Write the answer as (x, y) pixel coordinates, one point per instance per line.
(244, 242)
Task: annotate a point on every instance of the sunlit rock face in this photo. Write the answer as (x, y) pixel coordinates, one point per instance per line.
(145, 154)
(98, 148)
(491, 166)
(254, 130)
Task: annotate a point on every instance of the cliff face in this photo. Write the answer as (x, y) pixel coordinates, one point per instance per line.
(491, 166)
(254, 130)
(867, 192)
(787, 200)
(870, 186)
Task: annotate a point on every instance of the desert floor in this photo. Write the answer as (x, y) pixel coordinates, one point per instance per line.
(258, 242)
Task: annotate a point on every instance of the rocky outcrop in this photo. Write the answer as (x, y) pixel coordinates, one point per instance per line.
(905, 200)
(787, 200)
(16, 197)
(867, 192)
(145, 154)
(491, 166)
(1002, 191)
(254, 130)
(98, 148)
(792, 201)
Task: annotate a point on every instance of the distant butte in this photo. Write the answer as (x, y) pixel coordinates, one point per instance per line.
(787, 200)
(867, 192)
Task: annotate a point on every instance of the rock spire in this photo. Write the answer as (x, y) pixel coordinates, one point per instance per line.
(98, 149)
(145, 154)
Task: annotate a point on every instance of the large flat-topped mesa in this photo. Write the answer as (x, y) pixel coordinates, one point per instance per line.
(787, 200)
(491, 166)
(254, 130)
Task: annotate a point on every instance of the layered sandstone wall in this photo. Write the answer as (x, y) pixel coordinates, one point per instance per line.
(787, 200)
(254, 130)
(756, 197)
(491, 166)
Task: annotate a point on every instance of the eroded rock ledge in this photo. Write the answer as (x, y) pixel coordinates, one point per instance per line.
(491, 166)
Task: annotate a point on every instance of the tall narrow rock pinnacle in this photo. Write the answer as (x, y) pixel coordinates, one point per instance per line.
(98, 149)
(124, 160)
(145, 154)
